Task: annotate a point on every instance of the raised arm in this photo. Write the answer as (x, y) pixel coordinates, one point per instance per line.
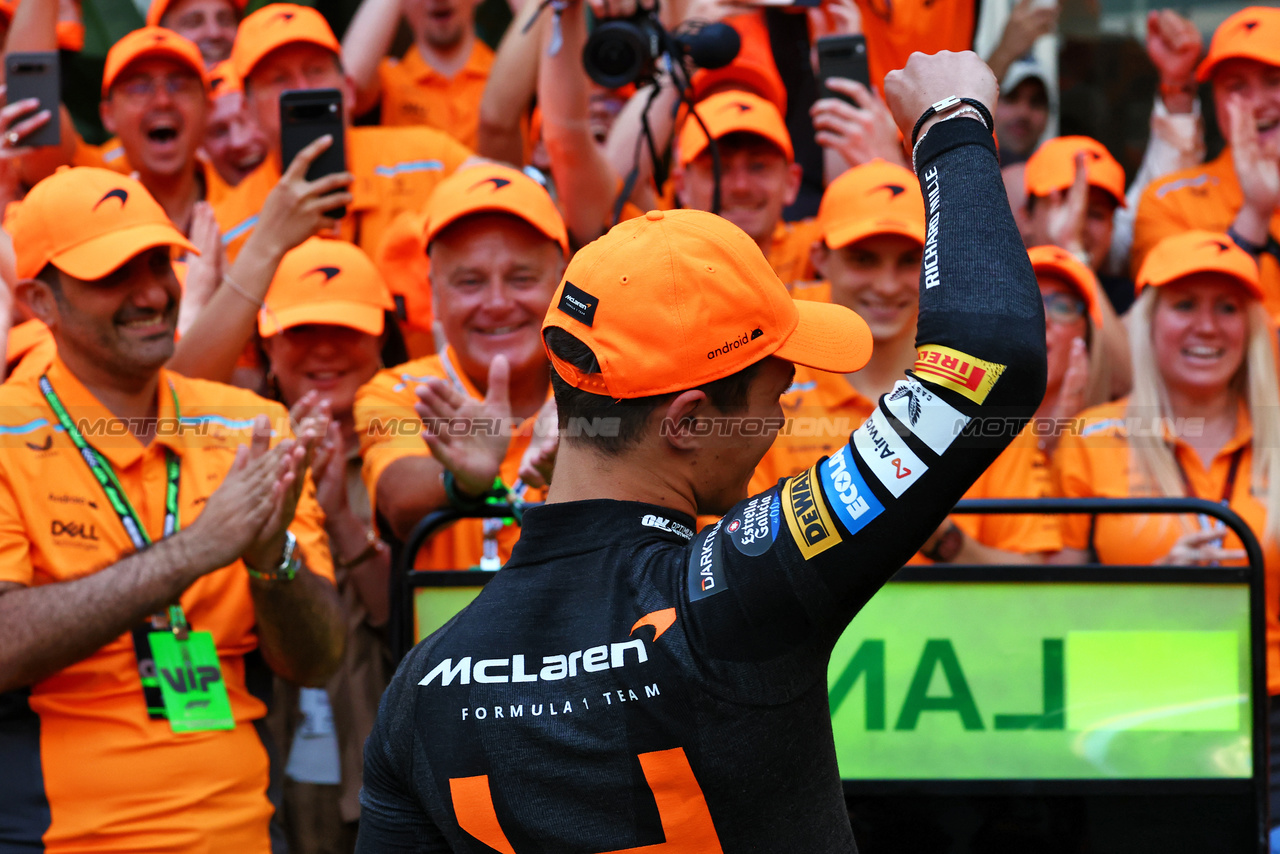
(367, 40)
(510, 90)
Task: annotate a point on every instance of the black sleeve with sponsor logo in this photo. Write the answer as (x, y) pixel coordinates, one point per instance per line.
(840, 529)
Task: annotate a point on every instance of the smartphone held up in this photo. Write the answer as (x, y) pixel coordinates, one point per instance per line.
(305, 116)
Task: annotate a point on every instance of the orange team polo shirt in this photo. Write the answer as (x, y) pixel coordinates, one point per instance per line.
(395, 169)
(1208, 197)
(31, 350)
(414, 93)
(110, 155)
(113, 779)
(1098, 463)
(1021, 471)
(789, 247)
(390, 430)
(897, 28)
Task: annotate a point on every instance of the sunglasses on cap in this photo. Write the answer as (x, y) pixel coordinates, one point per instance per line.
(1063, 308)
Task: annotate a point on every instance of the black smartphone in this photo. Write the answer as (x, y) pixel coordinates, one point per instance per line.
(842, 56)
(305, 116)
(36, 75)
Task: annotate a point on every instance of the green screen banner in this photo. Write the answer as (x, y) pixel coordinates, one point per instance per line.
(1001, 681)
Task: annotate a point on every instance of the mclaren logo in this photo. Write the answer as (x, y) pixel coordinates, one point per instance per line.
(739, 106)
(1249, 26)
(895, 190)
(327, 272)
(1222, 246)
(118, 193)
(283, 16)
(498, 183)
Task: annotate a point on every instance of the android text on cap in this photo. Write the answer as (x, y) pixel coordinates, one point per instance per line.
(1053, 167)
(87, 222)
(159, 8)
(672, 300)
(1196, 251)
(151, 43)
(733, 112)
(274, 26)
(325, 281)
(490, 188)
(1251, 33)
(875, 198)
(1073, 272)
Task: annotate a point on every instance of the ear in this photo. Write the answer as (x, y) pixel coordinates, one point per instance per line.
(818, 256)
(684, 421)
(795, 173)
(39, 299)
(104, 112)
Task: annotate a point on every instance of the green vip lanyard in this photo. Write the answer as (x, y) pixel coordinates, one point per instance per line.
(160, 705)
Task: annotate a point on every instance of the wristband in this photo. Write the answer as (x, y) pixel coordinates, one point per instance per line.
(1271, 246)
(373, 546)
(498, 491)
(947, 104)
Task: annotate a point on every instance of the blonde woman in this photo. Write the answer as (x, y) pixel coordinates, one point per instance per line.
(1203, 420)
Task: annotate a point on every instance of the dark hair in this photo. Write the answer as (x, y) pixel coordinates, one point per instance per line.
(50, 276)
(575, 406)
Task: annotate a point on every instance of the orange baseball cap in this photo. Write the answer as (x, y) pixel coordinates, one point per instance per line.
(878, 197)
(675, 299)
(87, 222)
(274, 26)
(159, 8)
(326, 281)
(1070, 269)
(490, 188)
(1196, 251)
(151, 43)
(223, 80)
(1251, 33)
(733, 112)
(1053, 167)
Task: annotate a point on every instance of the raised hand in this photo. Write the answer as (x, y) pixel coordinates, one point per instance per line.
(927, 79)
(204, 271)
(468, 437)
(1174, 45)
(1028, 21)
(329, 471)
(1066, 210)
(1257, 167)
(312, 419)
(539, 458)
(295, 208)
(859, 133)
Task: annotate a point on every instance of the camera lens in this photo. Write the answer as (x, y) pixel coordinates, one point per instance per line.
(615, 53)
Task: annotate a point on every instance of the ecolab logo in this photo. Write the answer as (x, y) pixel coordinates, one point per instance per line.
(488, 671)
(747, 338)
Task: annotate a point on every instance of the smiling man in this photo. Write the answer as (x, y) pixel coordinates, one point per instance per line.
(758, 176)
(210, 24)
(497, 246)
(1239, 191)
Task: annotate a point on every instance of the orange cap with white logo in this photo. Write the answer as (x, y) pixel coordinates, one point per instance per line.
(733, 112)
(274, 26)
(878, 197)
(1053, 167)
(325, 281)
(1072, 271)
(676, 299)
(159, 8)
(151, 43)
(1189, 252)
(1251, 33)
(87, 222)
(490, 188)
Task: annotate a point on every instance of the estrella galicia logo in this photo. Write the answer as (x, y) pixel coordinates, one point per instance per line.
(118, 193)
(327, 272)
(498, 183)
(753, 527)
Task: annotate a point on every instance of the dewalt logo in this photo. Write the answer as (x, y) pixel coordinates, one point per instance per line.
(807, 517)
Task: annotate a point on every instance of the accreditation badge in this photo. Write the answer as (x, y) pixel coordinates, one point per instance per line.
(190, 675)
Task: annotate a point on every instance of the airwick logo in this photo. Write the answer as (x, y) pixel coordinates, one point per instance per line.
(811, 525)
(747, 338)
(578, 304)
(490, 671)
(957, 371)
(887, 455)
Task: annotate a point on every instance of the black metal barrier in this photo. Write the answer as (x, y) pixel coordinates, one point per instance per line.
(1140, 814)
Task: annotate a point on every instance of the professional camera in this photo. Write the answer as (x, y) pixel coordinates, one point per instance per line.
(626, 50)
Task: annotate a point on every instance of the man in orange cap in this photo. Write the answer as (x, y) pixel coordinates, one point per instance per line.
(210, 24)
(287, 47)
(497, 246)
(619, 659)
(441, 78)
(154, 566)
(1239, 191)
(233, 143)
(758, 176)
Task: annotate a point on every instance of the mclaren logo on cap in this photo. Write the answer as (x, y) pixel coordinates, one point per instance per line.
(498, 183)
(1249, 26)
(118, 193)
(327, 272)
(1092, 155)
(578, 304)
(740, 106)
(159, 37)
(895, 190)
(284, 16)
(1222, 247)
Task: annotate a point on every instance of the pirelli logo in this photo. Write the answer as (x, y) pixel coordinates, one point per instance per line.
(807, 517)
(957, 371)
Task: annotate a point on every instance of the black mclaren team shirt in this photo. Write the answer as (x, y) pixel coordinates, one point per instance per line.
(626, 686)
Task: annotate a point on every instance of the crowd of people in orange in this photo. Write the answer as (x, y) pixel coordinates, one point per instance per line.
(182, 270)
